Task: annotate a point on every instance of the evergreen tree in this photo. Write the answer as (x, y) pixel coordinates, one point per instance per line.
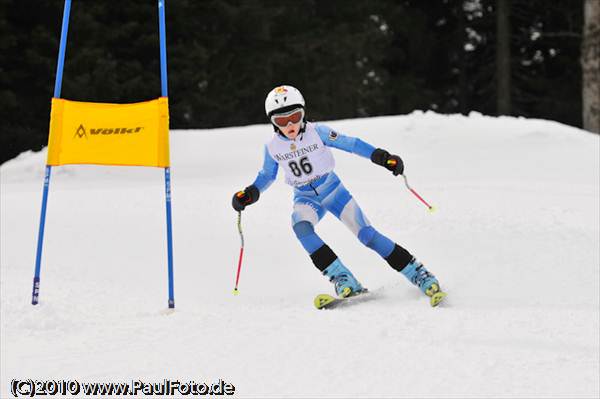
(350, 59)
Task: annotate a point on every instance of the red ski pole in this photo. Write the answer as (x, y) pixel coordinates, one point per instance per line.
(431, 208)
(239, 268)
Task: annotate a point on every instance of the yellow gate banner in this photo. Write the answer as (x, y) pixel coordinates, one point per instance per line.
(109, 134)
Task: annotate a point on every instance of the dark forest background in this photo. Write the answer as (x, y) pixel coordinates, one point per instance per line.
(349, 58)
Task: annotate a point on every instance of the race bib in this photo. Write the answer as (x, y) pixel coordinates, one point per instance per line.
(304, 159)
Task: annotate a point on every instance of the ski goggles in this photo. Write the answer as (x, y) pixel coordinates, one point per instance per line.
(282, 120)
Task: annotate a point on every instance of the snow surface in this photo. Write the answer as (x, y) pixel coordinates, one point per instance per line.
(515, 242)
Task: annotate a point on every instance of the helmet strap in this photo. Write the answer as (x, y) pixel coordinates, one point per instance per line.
(303, 127)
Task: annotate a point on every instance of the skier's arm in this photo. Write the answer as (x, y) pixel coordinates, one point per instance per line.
(355, 145)
(266, 176)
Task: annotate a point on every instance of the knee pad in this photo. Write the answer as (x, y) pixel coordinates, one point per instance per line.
(303, 229)
(376, 241)
(306, 235)
(366, 235)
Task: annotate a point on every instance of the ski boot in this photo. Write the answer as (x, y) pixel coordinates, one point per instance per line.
(419, 276)
(344, 281)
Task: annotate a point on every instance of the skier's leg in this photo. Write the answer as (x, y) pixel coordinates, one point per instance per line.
(306, 215)
(345, 208)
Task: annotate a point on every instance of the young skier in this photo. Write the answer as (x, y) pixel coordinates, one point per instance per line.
(301, 149)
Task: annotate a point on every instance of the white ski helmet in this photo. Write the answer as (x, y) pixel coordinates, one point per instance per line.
(283, 98)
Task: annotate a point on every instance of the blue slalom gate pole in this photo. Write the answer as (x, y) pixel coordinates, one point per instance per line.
(62, 49)
(163, 48)
(38, 258)
(57, 88)
(165, 93)
(169, 236)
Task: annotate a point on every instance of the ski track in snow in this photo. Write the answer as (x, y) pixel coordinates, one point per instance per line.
(514, 243)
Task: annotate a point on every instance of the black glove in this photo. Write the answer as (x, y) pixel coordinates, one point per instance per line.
(246, 197)
(390, 162)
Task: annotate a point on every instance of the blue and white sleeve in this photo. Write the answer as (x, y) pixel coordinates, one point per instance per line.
(354, 145)
(268, 173)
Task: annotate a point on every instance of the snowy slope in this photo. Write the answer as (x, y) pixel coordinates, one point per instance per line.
(514, 242)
